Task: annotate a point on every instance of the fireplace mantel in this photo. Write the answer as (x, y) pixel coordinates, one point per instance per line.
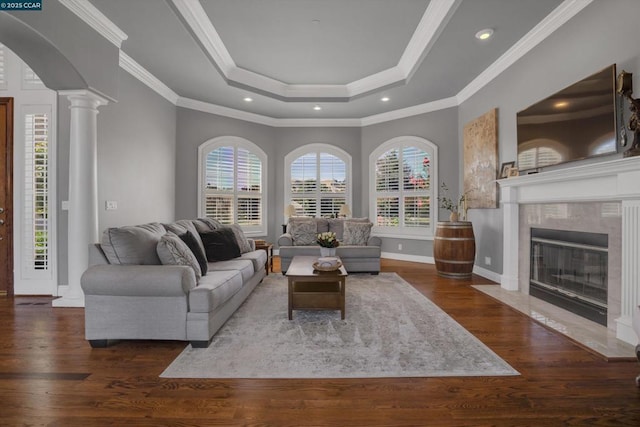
(615, 180)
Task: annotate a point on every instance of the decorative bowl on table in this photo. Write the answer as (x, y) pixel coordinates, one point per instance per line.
(327, 264)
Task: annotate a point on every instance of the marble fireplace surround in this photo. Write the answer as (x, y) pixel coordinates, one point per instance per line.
(585, 189)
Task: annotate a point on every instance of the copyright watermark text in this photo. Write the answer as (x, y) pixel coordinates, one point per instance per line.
(21, 5)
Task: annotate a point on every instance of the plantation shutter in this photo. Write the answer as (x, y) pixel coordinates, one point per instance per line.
(318, 185)
(333, 185)
(219, 197)
(249, 182)
(234, 192)
(409, 204)
(36, 251)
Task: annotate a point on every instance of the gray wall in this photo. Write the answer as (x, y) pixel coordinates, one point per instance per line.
(136, 160)
(439, 127)
(602, 34)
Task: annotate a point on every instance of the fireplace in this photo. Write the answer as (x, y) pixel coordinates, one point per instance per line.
(592, 189)
(570, 269)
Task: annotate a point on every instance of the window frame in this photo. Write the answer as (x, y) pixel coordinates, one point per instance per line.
(236, 142)
(413, 233)
(317, 148)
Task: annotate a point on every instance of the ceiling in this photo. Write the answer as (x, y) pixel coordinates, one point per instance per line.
(341, 55)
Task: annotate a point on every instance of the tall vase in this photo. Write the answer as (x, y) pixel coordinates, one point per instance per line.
(453, 217)
(327, 251)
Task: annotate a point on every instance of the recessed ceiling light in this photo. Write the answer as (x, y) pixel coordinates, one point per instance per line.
(248, 99)
(484, 34)
(317, 107)
(385, 99)
(315, 21)
(561, 104)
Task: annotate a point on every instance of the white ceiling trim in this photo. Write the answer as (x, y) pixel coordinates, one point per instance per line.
(205, 107)
(96, 20)
(557, 18)
(139, 72)
(402, 113)
(100, 23)
(436, 15)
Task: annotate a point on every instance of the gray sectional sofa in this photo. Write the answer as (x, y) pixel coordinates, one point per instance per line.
(138, 286)
(358, 250)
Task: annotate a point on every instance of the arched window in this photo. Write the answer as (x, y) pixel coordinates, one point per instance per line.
(403, 177)
(317, 180)
(232, 183)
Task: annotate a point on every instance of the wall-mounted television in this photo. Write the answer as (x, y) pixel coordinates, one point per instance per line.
(575, 123)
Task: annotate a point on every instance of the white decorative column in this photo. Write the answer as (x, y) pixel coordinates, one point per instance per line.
(83, 189)
(628, 187)
(511, 227)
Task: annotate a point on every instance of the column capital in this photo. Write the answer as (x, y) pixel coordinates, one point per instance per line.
(84, 98)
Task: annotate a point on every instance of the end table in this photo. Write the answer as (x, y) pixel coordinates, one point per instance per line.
(268, 247)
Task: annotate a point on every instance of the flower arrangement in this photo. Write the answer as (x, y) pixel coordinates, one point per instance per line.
(455, 207)
(328, 240)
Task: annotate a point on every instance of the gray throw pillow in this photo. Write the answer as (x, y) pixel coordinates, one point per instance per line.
(132, 244)
(303, 232)
(243, 243)
(337, 225)
(356, 233)
(173, 251)
(206, 224)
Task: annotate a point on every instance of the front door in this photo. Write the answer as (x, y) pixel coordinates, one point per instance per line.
(6, 196)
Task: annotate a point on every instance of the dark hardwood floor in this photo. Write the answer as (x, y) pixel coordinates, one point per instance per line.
(50, 376)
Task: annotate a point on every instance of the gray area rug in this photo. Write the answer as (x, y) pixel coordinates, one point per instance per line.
(390, 330)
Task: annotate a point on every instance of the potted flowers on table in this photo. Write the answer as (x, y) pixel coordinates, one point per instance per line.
(328, 243)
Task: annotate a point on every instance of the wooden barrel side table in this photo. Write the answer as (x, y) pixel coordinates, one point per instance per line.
(454, 249)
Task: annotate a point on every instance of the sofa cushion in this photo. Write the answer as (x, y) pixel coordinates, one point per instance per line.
(258, 258)
(304, 232)
(173, 251)
(195, 245)
(220, 245)
(182, 226)
(356, 233)
(243, 243)
(133, 244)
(244, 266)
(337, 225)
(214, 290)
(206, 224)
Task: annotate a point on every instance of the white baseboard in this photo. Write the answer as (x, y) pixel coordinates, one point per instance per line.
(406, 257)
(487, 274)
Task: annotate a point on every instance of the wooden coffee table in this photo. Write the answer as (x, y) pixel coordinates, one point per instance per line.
(313, 290)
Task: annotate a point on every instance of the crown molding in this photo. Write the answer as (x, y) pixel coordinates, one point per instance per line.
(205, 107)
(96, 20)
(196, 18)
(139, 72)
(437, 14)
(435, 17)
(558, 17)
(402, 113)
(546, 27)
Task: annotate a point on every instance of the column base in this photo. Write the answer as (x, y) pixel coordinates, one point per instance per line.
(624, 330)
(509, 283)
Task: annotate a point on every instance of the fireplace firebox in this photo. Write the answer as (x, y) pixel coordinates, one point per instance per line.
(569, 269)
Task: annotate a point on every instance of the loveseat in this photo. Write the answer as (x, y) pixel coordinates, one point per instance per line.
(178, 281)
(358, 250)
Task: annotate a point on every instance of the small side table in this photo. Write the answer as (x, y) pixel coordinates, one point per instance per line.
(268, 247)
